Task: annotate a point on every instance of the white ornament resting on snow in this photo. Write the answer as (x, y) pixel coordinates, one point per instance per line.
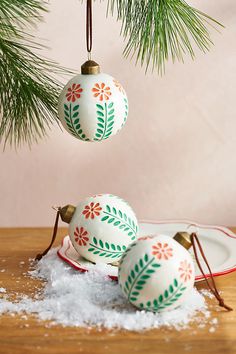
(102, 227)
(156, 273)
(93, 107)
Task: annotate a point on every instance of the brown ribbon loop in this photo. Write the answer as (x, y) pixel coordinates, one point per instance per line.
(212, 286)
(89, 36)
(40, 255)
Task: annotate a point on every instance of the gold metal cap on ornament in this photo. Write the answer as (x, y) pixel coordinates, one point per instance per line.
(67, 212)
(184, 239)
(90, 67)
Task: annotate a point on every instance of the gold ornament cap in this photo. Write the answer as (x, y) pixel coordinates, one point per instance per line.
(184, 239)
(67, 212)
(90, 67)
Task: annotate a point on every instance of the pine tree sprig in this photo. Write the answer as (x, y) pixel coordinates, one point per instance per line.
(29, 88)
(157, 30)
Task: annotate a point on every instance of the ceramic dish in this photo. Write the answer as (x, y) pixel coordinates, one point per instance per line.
(219, 244)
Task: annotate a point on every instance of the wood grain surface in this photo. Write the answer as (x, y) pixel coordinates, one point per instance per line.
(18, 336)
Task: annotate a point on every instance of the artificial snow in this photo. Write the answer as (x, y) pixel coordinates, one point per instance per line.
(92, 299)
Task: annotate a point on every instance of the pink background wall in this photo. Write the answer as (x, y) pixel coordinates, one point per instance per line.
(175, 158)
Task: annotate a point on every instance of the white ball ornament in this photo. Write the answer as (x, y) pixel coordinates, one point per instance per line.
(101, 227)
(93, 106)
(156, 273)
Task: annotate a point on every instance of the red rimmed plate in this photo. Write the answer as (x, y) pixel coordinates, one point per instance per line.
(219, 244)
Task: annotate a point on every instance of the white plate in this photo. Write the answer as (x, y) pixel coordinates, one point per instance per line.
(218, 242)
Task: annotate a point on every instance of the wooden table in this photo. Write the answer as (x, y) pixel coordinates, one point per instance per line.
(30, 336)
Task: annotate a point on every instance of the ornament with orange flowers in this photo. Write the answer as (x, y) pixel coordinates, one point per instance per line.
(108, 117)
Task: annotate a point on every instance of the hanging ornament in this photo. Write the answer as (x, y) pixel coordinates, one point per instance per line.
(101, 227)
(93, 106)
(156, 273)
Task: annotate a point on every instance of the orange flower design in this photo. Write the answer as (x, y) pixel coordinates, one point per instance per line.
(185, 270)
(81, 236)
(73, 92)
(162, 251)
(92, 210)
(101, 91)
(118, 85)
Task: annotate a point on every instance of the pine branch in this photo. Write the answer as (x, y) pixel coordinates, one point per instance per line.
(28, 90)
(157, 30)
(21, 12)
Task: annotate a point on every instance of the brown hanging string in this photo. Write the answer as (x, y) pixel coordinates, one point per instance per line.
(89, 34)
(40, 255)
(212, 286)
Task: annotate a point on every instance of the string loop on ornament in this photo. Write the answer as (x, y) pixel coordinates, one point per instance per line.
(210, 282)
(40, 255)
(57, 208)
(196, 228)
(89, 28)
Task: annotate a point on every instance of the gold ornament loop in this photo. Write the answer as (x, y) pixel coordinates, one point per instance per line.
(195, 230)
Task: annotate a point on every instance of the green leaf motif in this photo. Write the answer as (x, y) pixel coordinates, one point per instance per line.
(170, 296)
(126, 111)
(105, 121)
(138, 277)
(73, 122)
(121, 220)
(105, 249)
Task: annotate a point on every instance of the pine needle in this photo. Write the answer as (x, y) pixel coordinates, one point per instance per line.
(28, 89)
(157, 30)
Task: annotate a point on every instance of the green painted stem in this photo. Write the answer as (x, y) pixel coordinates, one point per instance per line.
(139, 274)
(72, 124)
(105, 250)
(162, 305)
(123, 222)
(105, 122)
